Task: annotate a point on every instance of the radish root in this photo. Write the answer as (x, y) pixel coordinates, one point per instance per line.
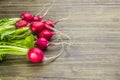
(42, 10)
(65, 18)
(48, 9)
(60, 33)
(51, 59)
(62, 19)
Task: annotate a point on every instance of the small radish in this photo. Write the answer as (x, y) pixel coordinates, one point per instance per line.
(35, 55)
(36, 18)
(26, 16)
(36, 27)
(42, 43)
(52, 23)
(49, 22)
(21, 24)
(46, 33)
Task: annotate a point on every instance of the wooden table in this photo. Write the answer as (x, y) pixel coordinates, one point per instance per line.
(94, 27)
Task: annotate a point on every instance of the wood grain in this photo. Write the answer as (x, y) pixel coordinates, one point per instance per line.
(94, 27)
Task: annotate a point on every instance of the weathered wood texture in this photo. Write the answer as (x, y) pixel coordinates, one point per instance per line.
(94, 27)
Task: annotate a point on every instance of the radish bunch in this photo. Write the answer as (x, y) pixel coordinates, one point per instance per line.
(43, 30)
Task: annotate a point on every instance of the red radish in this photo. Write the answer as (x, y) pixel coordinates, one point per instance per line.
(42, 43)
(36, 27)
(21, 24)
(35, 55)
(26, 16)
(46, 33)
(36, 18)
(49, 22)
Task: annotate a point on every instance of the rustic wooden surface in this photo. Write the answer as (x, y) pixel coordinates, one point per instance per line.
(94, 27)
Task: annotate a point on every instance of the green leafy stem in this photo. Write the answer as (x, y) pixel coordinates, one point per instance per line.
(14, 41)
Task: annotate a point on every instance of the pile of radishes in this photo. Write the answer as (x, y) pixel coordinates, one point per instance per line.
(44, 30)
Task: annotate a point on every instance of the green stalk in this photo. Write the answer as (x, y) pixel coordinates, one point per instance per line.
(14, 41)
(14, 50)
(5, 28)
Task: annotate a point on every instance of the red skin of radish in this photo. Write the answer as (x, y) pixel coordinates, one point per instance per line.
(46, 33)
(35, 55)
(42, 43)
(49, 22)
(26, 16)
(21, 24)
(36, 27)
(36, 18)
